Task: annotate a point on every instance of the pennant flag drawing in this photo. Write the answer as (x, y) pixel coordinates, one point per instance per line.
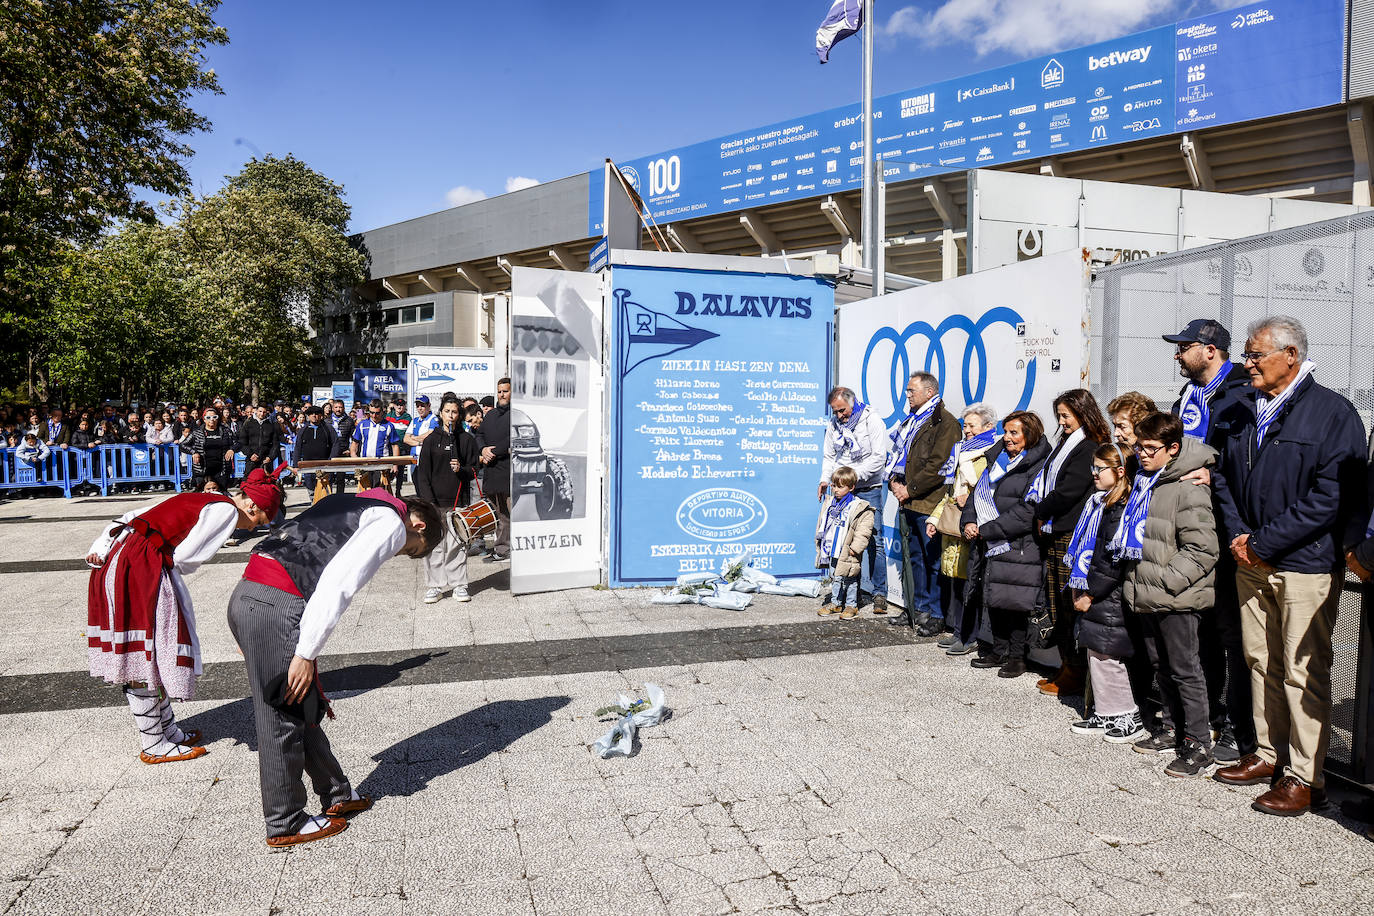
(647, 334)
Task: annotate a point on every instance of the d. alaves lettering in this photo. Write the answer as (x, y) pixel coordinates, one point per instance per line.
(731, 306)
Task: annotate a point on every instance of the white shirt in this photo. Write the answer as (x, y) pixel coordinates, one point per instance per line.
(869, 455)
(381, 534)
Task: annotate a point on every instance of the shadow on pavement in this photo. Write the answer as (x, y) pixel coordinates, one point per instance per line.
(235, 720)
(408, 766)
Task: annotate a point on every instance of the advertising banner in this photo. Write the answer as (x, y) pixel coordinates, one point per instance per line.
(1255, 61)
(464, 371)
(717, 415)
(342, 391)
(557, 430)
(1011, 337)
(383, 384)
(320, 395)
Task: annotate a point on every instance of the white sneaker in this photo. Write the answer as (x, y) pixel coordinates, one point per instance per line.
(460, 594)
(433, 595)
(231, 542)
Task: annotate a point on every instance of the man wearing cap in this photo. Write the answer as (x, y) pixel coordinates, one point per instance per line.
(420, 426)
(1218, 400)
(315, 441)
(296, 587)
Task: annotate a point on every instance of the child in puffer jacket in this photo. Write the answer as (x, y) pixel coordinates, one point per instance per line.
(842, 533)
(31, 451)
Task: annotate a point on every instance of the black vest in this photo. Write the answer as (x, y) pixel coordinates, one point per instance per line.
(305, 545)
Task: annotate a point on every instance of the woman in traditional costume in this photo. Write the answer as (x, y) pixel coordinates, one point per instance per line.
(141, 627)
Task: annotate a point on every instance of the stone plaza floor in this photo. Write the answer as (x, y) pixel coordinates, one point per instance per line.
(808, 766)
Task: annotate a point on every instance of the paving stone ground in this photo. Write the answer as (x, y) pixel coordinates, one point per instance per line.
(808, 766)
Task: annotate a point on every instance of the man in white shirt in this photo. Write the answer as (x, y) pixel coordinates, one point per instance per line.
(297, 585)
(856, 437)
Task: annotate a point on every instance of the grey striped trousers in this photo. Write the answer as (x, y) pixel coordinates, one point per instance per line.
(266, 622)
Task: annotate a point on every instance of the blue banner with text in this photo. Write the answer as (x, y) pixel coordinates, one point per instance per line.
(1252, 62)
(718, 414)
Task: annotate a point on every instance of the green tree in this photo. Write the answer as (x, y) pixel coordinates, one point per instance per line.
(271, 250)
(94, 108)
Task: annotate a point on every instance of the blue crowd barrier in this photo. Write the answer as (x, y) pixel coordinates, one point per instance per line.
(64, 468)
(111, 465)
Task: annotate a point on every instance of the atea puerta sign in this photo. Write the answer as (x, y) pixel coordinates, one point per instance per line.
(718, 382)
(1251, 62)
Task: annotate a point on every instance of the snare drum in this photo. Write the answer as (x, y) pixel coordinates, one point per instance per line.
(471, 522)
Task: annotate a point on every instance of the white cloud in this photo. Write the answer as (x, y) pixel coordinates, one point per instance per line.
(463, 194)
(518, 183)
(1029, 28)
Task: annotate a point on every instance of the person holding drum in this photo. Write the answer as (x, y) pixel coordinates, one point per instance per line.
(448, 463)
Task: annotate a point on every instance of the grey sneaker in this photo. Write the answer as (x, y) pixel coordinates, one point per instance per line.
(1124, 729)
(433, 595)
(1163, 742)
(959, 647)
(460, 594)
(1192, 759)
(1226, 749)
(949, 639)
(1094, 725)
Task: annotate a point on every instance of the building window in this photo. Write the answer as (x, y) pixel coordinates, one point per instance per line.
(518, 377)
(564, 381)
(393, 317)
(427, 312)
(408, 315)
(541, 379)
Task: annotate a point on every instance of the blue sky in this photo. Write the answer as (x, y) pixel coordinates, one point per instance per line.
(414, 105)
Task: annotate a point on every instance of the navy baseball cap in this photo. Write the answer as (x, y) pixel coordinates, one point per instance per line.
(1203, 331)
(422, 399)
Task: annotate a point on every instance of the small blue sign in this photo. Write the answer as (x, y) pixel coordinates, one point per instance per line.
(382, 384)
(718, 385)
(599, 255)
(342, 391)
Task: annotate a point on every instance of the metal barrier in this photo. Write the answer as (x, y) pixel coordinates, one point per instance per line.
(64, 468)
(111, 465)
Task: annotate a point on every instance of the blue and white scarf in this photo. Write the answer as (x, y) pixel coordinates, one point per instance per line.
(1080, 553)
(983, 502)
(1045, 481)
(976, 444)
(1129, 540)
(848, 442)
(1267, 409)
(1195, 410)
(834, 524)
(903, 435)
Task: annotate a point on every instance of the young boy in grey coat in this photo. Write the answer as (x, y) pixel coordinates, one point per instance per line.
(1169, 534)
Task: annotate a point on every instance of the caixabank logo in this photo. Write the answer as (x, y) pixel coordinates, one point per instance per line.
(721, 514)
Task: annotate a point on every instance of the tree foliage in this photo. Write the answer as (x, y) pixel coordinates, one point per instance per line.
(217, 301)
(94, 110)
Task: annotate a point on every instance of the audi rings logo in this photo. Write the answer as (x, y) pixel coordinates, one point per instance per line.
(974, 368)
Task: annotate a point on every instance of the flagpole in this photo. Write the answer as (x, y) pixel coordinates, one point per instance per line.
(869, 230)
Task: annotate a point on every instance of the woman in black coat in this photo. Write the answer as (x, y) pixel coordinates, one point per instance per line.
(1063, 488)
(1007, 550)
(448, 462)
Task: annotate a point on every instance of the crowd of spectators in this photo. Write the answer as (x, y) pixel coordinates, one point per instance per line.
(1185, 565)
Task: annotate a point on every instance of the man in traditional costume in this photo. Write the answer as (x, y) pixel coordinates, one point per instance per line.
(140, 625)
(297, 585)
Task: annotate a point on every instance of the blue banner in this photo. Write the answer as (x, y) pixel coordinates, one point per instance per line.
(1252, 62)
(718, 383)
(343, 391)
(383, 384)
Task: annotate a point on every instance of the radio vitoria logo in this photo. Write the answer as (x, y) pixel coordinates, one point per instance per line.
(974, 367)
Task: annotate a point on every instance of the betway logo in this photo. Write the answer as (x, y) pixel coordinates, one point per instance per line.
(1134, 56)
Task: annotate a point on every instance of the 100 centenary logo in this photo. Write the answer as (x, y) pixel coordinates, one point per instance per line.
(721, 514)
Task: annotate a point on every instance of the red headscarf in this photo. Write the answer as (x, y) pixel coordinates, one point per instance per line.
(264, 491)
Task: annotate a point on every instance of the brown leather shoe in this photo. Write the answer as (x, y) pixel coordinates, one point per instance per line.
(336, 825)
(1289, 798)
(1066, 684)
(352, 806)
(1250, 771)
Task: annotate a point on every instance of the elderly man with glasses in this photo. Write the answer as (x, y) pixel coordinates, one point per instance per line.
(1291, 485)
(1216, 400)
